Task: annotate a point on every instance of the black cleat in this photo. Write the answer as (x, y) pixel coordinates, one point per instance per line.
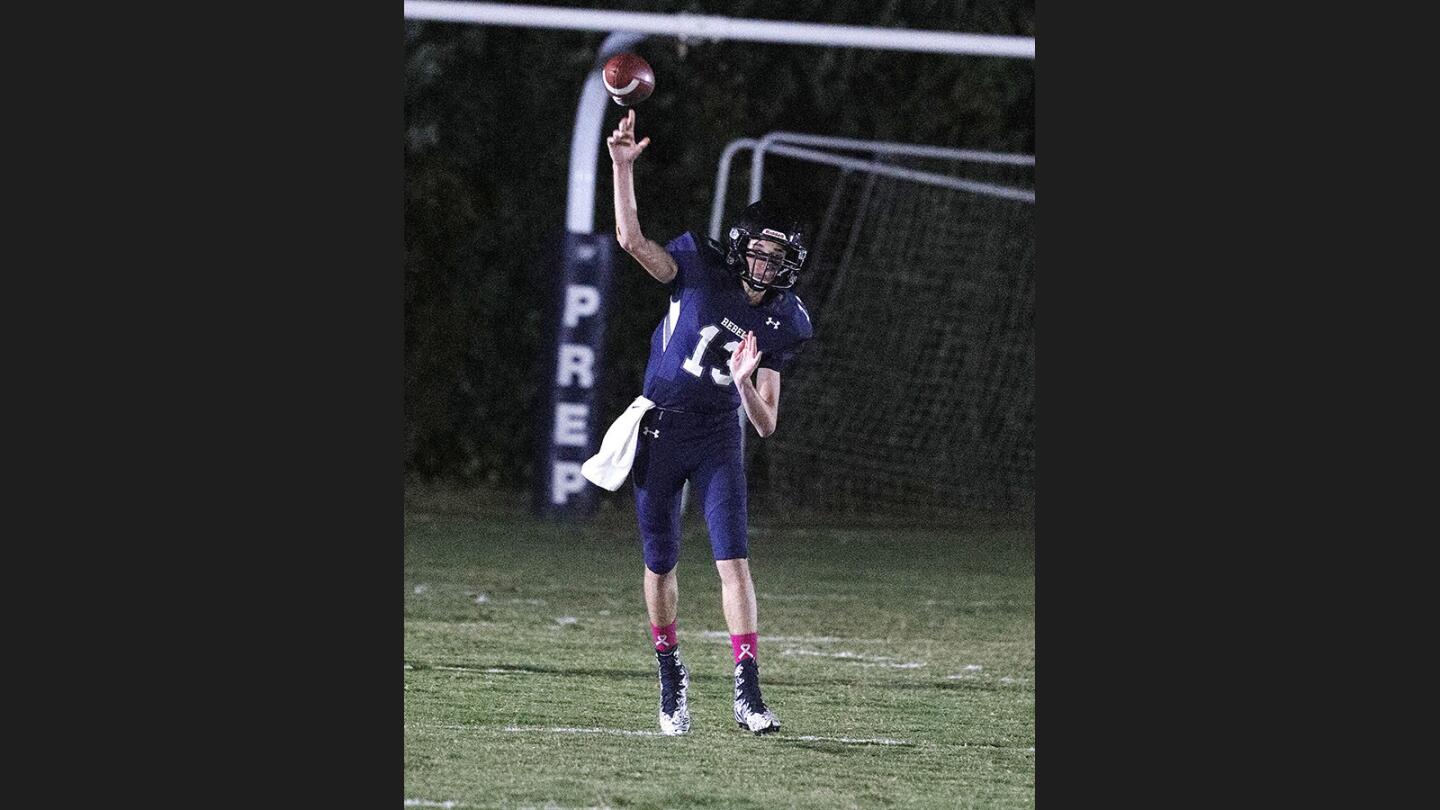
(751, 713)
(674, 681)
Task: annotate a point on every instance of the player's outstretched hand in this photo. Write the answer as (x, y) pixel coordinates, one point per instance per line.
(745, 359)
(623, 148)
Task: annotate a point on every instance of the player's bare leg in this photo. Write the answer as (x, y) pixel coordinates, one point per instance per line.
(737, 597)
(662, 592)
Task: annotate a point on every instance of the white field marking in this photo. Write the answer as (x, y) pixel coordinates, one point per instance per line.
(973, 667)
(873, 660)
(874, 741)
(489, 670)
(421, 588)
(428, 803)
(1008, 679)
(617, 731)
(566, 620)
(526, 602)
(481, 599)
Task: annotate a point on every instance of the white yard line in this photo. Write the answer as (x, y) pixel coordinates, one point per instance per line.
(428, 803)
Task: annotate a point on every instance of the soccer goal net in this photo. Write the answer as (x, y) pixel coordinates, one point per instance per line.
(916, 396)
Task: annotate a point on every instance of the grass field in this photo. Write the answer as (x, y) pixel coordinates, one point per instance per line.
(901, 663)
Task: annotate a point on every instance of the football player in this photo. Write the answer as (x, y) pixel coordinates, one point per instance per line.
(733, 326)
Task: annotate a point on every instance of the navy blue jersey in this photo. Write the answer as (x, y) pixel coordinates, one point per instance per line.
(709, 313)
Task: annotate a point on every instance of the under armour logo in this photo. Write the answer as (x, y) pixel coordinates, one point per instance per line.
(744, 651)
(660, 641)
(772, 323)
(649, 432)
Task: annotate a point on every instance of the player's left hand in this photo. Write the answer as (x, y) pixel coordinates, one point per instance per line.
(745, 359)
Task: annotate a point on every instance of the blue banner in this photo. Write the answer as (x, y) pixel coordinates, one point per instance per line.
(570, 428)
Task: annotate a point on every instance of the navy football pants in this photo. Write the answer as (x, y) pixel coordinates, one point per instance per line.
(704, 448)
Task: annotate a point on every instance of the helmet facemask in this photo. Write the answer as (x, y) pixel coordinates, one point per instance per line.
(784, 263)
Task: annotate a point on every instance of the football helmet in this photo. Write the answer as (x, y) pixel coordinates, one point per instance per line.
(761, 221)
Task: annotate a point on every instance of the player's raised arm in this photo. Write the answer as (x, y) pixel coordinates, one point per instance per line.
(651, 254)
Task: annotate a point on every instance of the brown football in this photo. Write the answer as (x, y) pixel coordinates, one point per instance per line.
(628, 79)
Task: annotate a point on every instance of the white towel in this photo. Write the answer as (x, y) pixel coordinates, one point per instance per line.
(611, 466)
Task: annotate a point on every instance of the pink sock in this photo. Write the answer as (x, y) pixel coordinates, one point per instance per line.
(665, 637)
(744, 646)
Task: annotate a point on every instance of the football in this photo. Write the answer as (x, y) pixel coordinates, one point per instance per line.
(628, 79)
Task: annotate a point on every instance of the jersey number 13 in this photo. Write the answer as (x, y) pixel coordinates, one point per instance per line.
(692, 364)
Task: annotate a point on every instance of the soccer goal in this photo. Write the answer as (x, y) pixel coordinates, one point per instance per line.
(916, 397)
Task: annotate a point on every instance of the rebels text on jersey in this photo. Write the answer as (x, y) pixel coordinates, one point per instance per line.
(709, 314)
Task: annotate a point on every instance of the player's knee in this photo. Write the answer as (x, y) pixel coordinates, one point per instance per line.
(662, 563)
(662, 551)
(733, 569)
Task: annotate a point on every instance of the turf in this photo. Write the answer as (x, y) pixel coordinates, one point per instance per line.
(901, 663)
